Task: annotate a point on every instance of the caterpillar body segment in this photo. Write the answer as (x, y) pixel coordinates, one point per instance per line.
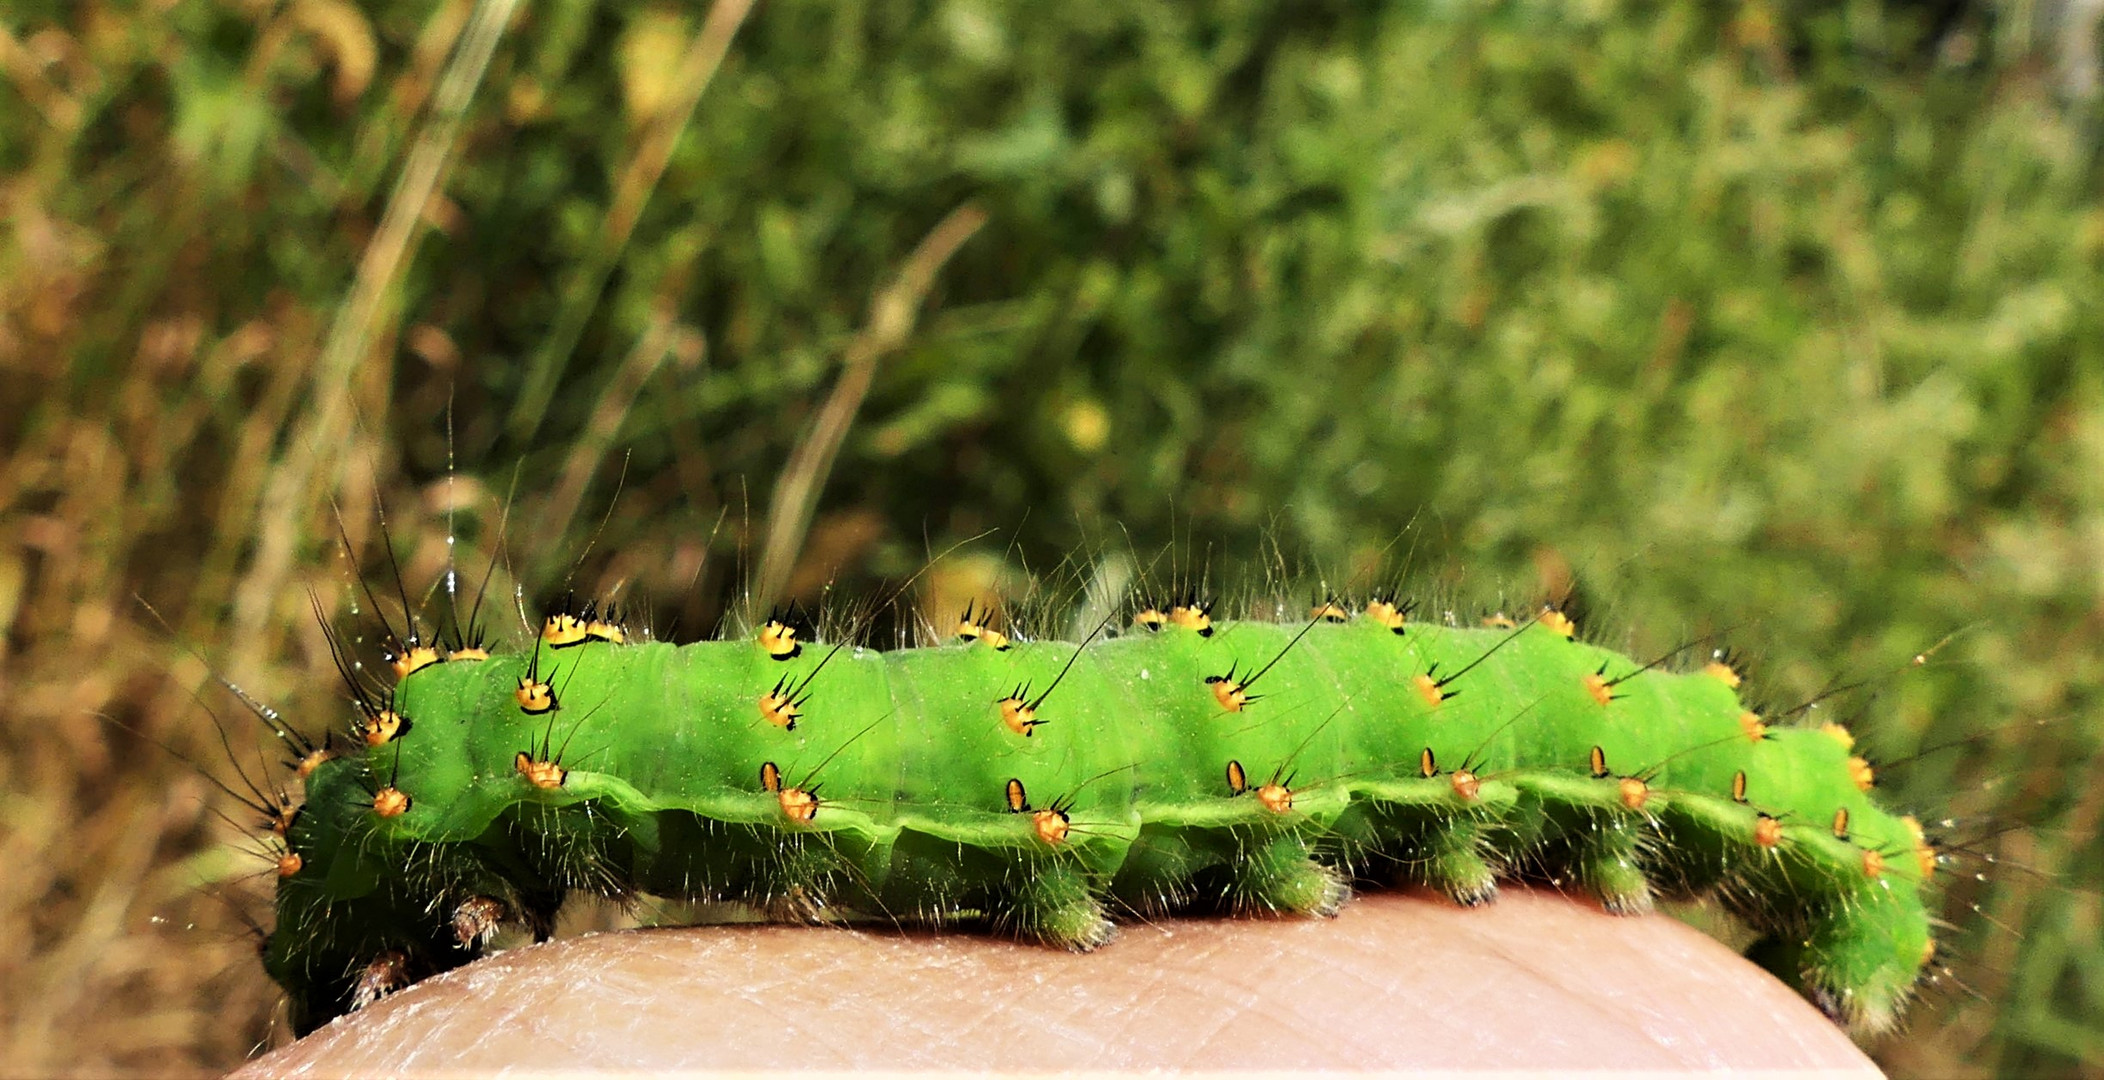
(907, 790)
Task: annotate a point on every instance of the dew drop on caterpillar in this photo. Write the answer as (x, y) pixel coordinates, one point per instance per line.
(1045, 787)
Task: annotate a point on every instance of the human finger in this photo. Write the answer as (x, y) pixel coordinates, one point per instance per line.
(1533, 983)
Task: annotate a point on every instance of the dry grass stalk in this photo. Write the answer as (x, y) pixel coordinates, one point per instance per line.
(313, 461)
(891, 318)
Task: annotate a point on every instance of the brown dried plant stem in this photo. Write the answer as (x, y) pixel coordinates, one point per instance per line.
(892, 315)
(313, 459)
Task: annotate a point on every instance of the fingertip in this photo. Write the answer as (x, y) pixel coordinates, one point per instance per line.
(1533, 983)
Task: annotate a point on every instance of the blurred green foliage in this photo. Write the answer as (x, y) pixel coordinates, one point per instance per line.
(1781, 320)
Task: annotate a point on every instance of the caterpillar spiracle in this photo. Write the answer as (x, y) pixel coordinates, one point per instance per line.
(1043, 787)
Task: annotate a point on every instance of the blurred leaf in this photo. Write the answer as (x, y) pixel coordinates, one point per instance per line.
(651, 50)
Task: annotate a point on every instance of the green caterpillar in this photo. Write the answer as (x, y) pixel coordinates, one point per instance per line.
(1042, 786)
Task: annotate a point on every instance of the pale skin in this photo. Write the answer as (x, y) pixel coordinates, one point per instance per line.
(1532, 983)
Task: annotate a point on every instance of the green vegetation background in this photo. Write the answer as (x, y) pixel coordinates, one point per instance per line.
(1775, 321)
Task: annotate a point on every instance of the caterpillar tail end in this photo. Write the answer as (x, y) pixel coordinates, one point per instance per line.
(1860, 972)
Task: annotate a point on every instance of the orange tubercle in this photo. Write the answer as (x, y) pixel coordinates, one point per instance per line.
(1430, 690)
(413, 659)
(1386, 614)
(1276, 798)
(562, 630)
(1018, 716)
(390, 802)
(1750, 723)
(1052, 826)
(798, 805)
(312, 762)
(1634, 792)
(534, 697)
(1466, 785)
(1598, 688)
(1557, 621)
(1924, 852)
(1192, 617)
(779, 639)
(777, 709)
(541, 774)
(1722, 672)
(289, 864)
(972, 626)
(381, 727)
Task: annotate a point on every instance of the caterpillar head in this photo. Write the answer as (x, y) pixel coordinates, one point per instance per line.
(361, 914)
